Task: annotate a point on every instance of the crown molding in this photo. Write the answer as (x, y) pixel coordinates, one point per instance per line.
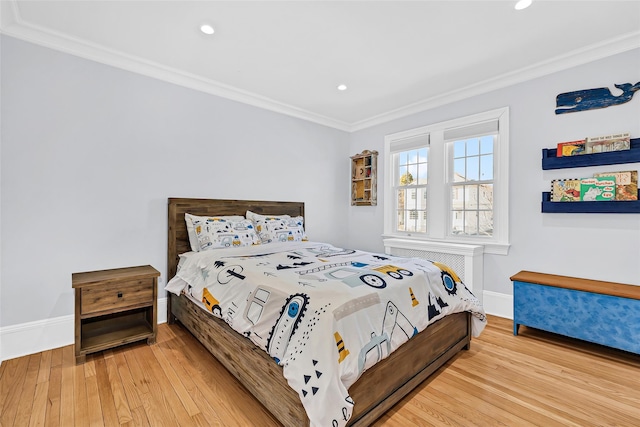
(571, 59)
(13, 25)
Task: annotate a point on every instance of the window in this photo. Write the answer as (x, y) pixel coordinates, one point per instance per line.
(449, 182)
(472, 186)
(410, 166)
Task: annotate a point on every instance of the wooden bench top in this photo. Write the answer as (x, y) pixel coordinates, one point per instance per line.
(575, 283)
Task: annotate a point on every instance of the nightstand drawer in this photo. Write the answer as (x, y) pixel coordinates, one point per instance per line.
(115, 297)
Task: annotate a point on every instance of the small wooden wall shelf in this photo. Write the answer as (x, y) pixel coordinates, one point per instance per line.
(550, 161)
(364, 172)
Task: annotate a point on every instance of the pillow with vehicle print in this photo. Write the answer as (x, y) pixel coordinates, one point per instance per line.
(214, 232)
(278, 228)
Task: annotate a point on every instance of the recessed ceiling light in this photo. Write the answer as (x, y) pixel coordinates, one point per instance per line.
(342, 87)
(523, 4)
(207, 29)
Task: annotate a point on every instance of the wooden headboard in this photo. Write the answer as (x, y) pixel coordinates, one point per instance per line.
(178, 240)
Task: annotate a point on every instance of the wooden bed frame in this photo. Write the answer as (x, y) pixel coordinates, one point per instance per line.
(376, 391)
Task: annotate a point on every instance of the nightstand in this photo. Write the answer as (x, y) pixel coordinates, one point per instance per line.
(114, 307)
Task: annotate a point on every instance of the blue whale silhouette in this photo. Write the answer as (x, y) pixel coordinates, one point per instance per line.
(591, 99)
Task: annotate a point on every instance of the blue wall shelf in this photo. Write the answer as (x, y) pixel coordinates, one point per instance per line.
(550, 161)
(614, 206)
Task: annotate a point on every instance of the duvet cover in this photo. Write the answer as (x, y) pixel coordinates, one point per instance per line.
(325, 314)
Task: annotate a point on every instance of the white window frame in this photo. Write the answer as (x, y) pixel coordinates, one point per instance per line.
(405, 145)
(439, 221)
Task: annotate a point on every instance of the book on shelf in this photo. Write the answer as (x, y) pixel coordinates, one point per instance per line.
(565, 190)
(571, 148)
(607, 143)
(626, 184)
(598, 188)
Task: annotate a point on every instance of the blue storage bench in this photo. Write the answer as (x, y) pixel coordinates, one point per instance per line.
(605, 313)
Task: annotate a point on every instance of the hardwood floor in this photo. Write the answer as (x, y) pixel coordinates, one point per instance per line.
(535, 379)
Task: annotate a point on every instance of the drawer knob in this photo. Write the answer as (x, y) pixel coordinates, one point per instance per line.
(119, 294)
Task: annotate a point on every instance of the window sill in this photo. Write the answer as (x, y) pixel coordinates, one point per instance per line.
(455, 246)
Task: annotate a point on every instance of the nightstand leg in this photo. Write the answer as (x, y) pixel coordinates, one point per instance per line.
(151, 340)
(81, 359)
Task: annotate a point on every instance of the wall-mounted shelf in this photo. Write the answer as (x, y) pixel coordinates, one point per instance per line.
(550, 161)
(364, 171)
(614, 206)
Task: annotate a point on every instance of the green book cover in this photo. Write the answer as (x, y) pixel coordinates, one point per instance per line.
(598, 188)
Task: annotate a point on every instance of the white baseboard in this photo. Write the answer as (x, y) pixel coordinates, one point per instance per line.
(497, 304)
(33, 337)
(162, 310)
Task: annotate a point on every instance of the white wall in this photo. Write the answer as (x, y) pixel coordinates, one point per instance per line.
(0, 202)
(91, 153)
(596, 246)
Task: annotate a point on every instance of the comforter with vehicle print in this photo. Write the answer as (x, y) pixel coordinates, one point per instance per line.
(325, 314)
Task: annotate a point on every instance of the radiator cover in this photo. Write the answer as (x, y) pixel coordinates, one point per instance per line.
(466, 260)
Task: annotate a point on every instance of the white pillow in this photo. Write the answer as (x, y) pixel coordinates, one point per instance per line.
(217, 233)
(192, 219)
(278, 228)
(254, 216)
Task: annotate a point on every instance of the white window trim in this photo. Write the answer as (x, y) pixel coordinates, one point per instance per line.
(439, 218)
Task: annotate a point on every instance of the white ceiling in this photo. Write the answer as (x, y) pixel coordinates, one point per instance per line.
(396, 57)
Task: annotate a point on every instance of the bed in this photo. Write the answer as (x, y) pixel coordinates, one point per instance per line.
(375, 391)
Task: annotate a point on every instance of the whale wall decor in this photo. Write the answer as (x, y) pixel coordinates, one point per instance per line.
(591, 99)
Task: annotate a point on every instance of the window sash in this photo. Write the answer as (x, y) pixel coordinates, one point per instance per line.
(471, 205)
(410, 213)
